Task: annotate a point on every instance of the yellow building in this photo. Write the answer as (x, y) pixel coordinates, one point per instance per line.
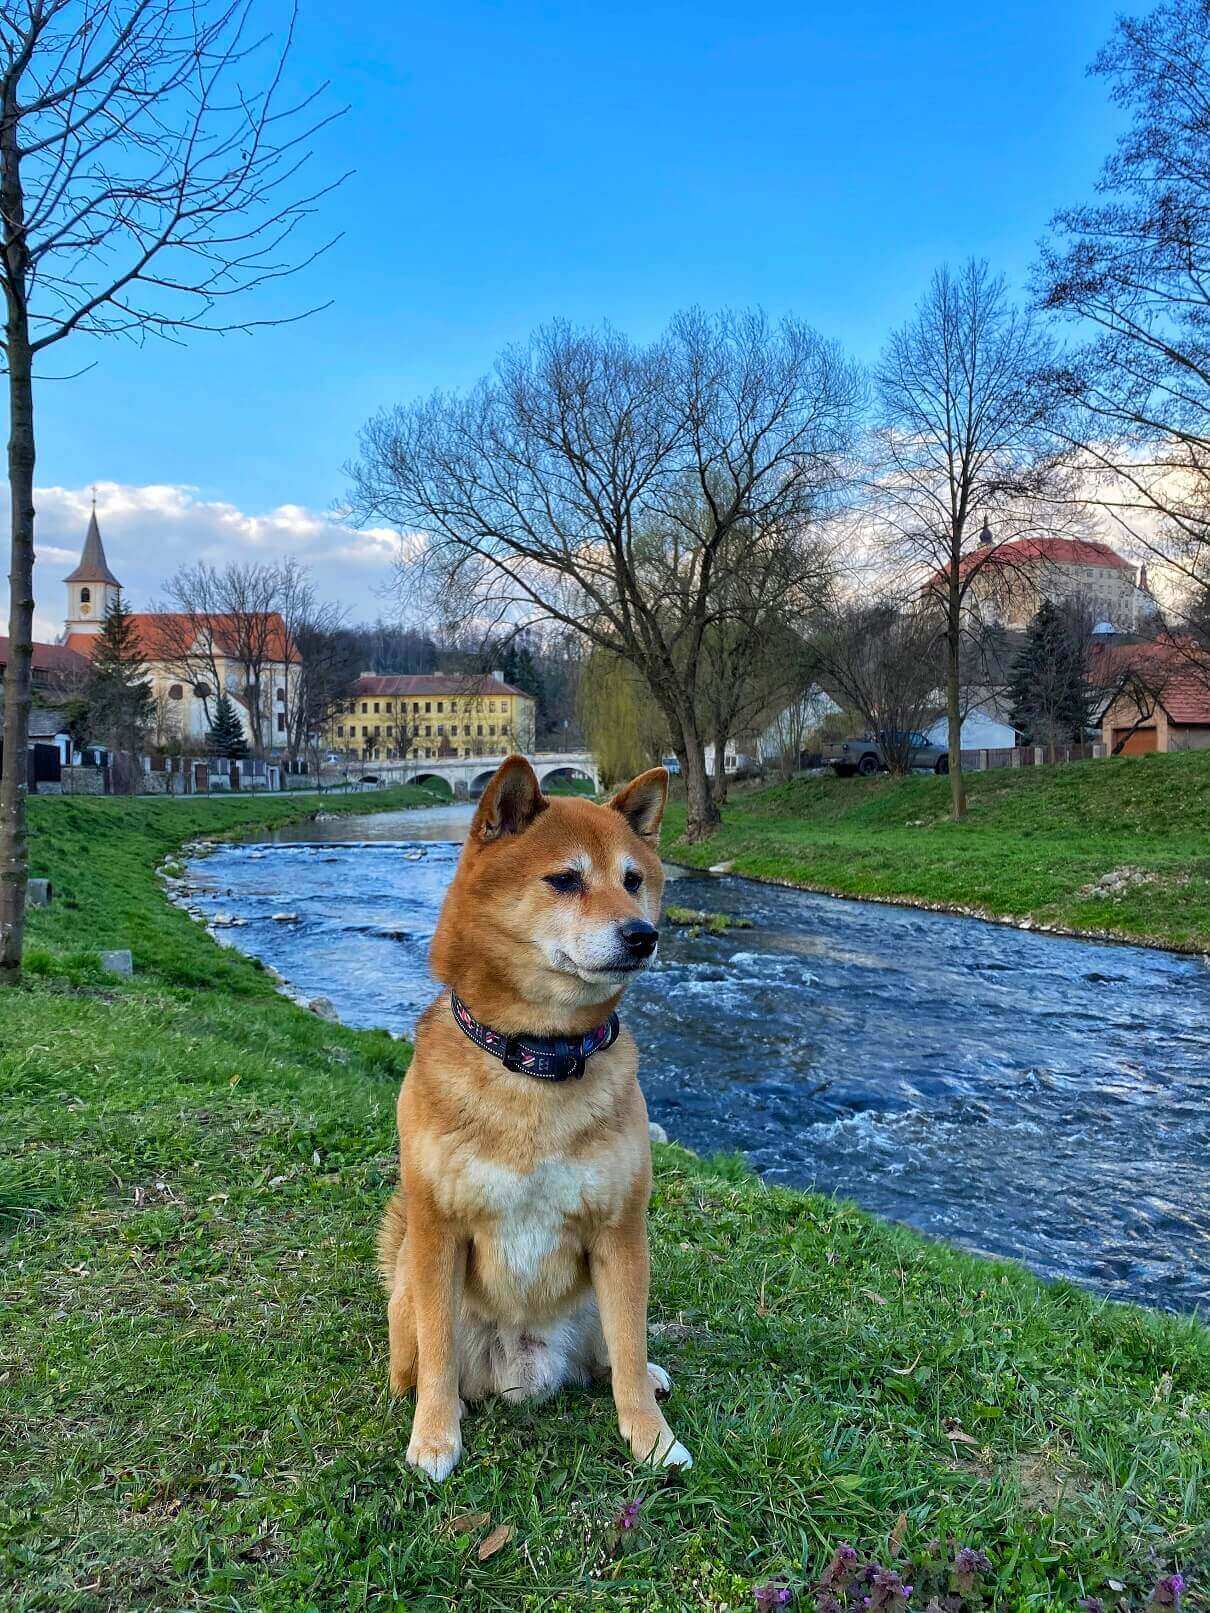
(432, 716)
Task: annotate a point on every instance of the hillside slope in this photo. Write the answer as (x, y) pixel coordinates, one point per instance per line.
(1117, 847)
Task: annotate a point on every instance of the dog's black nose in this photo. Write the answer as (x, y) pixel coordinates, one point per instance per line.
(639, 937)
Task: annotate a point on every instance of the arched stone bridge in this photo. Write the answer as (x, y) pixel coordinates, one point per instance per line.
(467, 775)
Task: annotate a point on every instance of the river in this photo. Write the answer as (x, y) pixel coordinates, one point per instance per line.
(1015, 1093)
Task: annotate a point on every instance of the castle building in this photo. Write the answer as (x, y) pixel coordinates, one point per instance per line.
(191, 658)
(435, 715)
(1011, 580)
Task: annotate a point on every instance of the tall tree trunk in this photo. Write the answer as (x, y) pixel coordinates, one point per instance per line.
(702, 816)
(953, 704)
(720, 768)
(14, 849)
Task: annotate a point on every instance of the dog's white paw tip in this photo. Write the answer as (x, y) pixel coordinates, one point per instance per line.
(660, 1381)
(676, 1456)
(438, 1461)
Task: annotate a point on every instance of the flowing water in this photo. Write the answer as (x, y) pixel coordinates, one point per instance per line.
(1015, 1093)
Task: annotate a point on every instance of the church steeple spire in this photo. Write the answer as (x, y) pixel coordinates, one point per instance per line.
(93, 565)
(92, 587)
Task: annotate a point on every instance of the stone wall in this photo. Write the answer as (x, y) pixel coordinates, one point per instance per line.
(83, 781)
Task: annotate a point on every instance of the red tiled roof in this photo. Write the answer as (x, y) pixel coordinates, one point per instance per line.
(1178, 672)
(161, 635)
(48, 657)
(1050, 551)
(436, 683)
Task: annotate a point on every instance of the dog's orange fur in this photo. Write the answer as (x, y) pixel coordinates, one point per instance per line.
(515, 1251)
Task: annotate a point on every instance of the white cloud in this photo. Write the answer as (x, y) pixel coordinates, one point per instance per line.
(149, 531)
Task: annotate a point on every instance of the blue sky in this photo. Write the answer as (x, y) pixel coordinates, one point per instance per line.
(611, 161)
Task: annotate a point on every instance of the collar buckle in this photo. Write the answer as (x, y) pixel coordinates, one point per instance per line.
(545, 1065)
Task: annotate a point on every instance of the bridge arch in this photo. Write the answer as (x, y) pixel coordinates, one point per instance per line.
(570, 773)
(432, 780)
(481, 781)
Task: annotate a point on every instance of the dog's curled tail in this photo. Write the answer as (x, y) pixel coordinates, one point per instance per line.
(391, 1233)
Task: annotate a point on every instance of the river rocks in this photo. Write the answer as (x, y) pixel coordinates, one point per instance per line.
(118, 962)
(285, 918)
(656, 1132)
(720, 868)
(1119, 881)
(324, 1008)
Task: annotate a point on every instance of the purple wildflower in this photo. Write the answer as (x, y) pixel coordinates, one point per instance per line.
(628, 1518)
(971, 1562)
(775, 1594)
(841, 1569)
(825, 1602)
(1167, 1592)
(887, 1590)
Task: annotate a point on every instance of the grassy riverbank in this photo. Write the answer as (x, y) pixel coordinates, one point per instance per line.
(192, 1363)
(1117, 847)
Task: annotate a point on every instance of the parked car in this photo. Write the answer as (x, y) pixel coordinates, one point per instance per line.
(671, 763)
(865, 755)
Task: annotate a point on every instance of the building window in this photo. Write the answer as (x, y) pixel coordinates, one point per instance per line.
(441, 705)
(491, 728)
(340, 730)
(440, 726)
(428, 706)
(428, 733)
(376, 708)
(202, 691)
(364, 708)
(175, 692)
(86, 596)
(281, 722)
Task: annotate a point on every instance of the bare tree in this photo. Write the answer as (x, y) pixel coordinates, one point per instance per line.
(1134, 269)
(322, 661)
(878, 658)
(597, 484)
(222, 629)
(964, 439)
(752, 656)
(146, 184)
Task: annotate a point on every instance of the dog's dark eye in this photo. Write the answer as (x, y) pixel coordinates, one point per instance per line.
(568, 882)
(633, 880)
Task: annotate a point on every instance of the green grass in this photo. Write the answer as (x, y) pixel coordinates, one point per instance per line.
(1035, 844)
(192, 1354)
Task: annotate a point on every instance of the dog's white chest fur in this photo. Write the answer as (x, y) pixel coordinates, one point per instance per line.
(529, 1208)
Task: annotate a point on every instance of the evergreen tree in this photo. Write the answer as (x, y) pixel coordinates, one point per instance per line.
(119, 695)
(226, 735)
(1050, 693)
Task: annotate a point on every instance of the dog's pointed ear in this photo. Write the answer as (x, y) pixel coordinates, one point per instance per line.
(642, 803)
(510, 803)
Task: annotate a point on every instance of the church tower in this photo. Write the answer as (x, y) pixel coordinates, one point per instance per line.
(92, 588)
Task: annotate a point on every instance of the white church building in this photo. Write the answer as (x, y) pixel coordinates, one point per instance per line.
(191, 657)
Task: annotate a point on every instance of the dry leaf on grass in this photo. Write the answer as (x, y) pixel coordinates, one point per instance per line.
(466, 1522)
(959, 1438)
(499, 1537)
(897, 1534)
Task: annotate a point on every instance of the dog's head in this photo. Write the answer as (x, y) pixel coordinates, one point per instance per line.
(555, 899)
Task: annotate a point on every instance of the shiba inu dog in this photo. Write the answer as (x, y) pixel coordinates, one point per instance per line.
(514, 1252)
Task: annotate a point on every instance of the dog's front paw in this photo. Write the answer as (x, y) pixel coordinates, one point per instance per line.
(651, 1440)
(435, 1454)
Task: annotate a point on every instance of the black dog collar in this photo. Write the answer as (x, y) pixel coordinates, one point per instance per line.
(547, 1058)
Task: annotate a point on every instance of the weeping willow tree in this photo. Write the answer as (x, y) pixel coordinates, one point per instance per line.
(625, 729)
